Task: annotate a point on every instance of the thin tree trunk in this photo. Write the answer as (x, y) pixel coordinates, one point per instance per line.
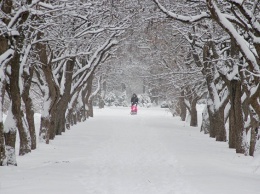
(252, 142)
(87, 98)
(70, 114)
(84, 109)
(254, 101)
(101, 103)
(67, 120)
(90, 108)
(205, 125)
(3, 161)
(70, 117)
(193, 114)
(74, 118)
(182, 107)
(2, 145)
(45, 125)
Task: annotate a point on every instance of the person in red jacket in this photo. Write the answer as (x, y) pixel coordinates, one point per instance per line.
(134, 102)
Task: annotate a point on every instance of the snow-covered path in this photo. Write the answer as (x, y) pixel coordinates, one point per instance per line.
(116, 153)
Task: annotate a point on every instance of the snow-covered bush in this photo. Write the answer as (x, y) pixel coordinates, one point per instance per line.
(122, 99)
(144, 100)
(174, 107)
(110, 99)
(116, 99)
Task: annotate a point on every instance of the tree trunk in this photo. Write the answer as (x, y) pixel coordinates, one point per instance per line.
(101, 103)
(29, 107)
(212, 131)
(51, 95)
(10, 130)
(90, 108)
(217, 124)
(220, 125)
(67, 120)
(53, 119)
(2, 145)
(232, 120)
(79, 115)
(205, 125)
(253, 139)
(84, 106)
(216, 114)
(64, 100)
(25, 140)
(60, 121)
(74, 118)
(193, 114)
(87, 98)
(3, 161)
(208, 71)
(45, 125)
(10, 138)
(182, 107)
(7, 150)
(70, 113)
(70, 116)
(237, 122)
(254, 102)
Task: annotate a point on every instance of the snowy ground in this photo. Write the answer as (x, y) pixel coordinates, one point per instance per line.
(117, 153)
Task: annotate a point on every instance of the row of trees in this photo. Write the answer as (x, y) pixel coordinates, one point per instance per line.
(61, 48)
(54, 47)
(223, 60)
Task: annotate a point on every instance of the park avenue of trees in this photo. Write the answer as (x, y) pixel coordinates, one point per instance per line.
(59, 56)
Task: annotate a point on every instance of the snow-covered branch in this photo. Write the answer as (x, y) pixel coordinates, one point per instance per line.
(182, 18)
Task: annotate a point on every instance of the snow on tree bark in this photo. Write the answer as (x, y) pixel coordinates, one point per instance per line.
(205, 126)
(51, 93)
(29, 106)
(87, 98)
(215, 108)
(10, 130)
(15, 96)
(65, 98)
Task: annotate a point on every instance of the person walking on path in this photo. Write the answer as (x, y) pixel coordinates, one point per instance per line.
(134, 102)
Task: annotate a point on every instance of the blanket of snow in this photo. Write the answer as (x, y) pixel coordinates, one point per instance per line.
(119, 153)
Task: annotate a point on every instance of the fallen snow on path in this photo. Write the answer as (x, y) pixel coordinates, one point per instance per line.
(119, 153)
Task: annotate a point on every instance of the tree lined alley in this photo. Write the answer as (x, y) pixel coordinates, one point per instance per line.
(55, 48)
(58, 57)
